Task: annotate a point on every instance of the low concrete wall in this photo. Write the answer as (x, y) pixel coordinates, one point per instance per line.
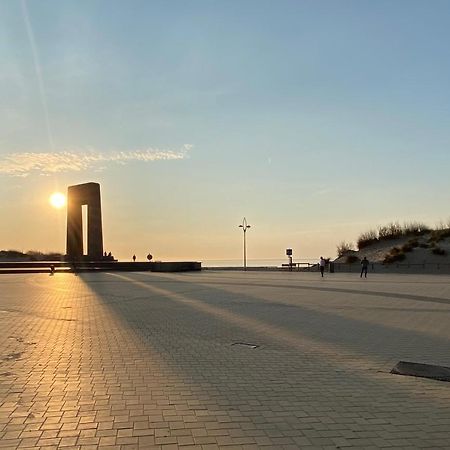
(176, 266)
(100, 266)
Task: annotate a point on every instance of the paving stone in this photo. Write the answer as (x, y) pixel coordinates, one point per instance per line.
(144, 360)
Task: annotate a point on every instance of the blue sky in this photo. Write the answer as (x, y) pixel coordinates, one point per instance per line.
(314, 119)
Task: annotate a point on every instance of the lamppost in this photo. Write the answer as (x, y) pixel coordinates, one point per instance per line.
(244, 227)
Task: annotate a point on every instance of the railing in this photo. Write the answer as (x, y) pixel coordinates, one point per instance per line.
(373, 267)
(299, 265)
(395, 267)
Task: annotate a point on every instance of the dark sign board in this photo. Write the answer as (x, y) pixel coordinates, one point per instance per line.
(289, 251)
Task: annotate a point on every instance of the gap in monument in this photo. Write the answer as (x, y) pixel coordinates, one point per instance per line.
(84, 221)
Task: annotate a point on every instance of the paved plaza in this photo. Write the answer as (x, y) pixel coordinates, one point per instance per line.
(222, 359)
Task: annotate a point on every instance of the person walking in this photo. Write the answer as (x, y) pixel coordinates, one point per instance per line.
(134, 258)
(364, 267)
(322, 263)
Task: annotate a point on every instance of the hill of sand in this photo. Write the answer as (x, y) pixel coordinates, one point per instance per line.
(420, 253)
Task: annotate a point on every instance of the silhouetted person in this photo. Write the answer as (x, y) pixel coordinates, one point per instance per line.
(364, 267)
(52, 269)
(109, 254)
(322, 265)
(134, 258)
(104, 254)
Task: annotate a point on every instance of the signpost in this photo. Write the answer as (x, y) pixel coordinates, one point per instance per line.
(289, 254)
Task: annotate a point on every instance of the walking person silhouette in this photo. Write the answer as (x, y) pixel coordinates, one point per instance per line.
(364, 267)
(322, 263)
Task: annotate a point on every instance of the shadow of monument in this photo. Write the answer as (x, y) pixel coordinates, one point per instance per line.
(192, 326)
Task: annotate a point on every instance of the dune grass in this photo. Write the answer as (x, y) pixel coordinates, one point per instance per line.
(393, 230)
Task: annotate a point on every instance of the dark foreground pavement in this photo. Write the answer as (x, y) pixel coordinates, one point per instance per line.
(141, 360)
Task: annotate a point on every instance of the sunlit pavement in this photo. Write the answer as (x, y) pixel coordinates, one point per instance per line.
(141, 360)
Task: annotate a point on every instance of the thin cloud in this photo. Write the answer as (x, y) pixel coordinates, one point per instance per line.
(24, 164)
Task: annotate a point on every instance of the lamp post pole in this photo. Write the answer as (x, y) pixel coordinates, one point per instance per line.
(245, 227)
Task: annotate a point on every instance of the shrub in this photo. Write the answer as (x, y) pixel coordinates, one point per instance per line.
(31, 255)
(394, 256)
(445, 233)
(410, 245)
(443, 225)
(438, 251)
(368, 238)
(413, 242)
(351, 259)
(407, 247)
(392, 230)
(11, 254)
(343, 248)
(383, 232)
(439, 235)
(417, 228)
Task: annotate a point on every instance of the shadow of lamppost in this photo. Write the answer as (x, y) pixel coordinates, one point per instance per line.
(245, 227)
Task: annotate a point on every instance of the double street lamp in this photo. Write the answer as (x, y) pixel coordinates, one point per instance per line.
(245, 227)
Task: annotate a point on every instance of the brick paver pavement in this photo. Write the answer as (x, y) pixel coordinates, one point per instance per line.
(142, 360)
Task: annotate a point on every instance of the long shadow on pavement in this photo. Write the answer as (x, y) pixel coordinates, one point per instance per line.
(279, 386)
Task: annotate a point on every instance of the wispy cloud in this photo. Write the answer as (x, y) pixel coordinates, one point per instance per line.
(24, 164)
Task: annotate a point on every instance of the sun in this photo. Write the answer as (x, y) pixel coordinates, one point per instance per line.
(57, 200)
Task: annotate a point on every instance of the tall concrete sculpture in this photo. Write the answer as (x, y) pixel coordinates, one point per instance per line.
(77, 196)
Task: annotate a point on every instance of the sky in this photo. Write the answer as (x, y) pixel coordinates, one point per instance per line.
(315, 120)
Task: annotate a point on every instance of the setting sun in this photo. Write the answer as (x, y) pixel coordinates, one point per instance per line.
(57, 200)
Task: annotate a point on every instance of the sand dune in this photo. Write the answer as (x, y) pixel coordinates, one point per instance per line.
(416, 250)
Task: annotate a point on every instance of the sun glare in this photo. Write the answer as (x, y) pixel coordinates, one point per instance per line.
(57, 200)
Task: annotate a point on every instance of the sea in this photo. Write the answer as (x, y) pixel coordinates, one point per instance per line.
(253, 262)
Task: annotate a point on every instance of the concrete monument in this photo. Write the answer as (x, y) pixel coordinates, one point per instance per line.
(77, 196)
